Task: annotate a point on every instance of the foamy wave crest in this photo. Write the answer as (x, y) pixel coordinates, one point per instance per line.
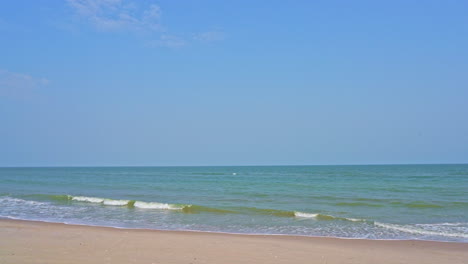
(443, 224)
(87, 199)
(356, 220)
(130, 203)
(325, 217)
(115, 202)
(305, 215)
(420, 231)
(14, 201)
(99, 200)
(155, 205)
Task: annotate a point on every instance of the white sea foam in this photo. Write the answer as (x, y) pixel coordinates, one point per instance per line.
(138, 204)
(99, 200)
(305, 215)
(419, 231)
(87, 199)
(115, 202)
(443, 224)
(355, 220)
(325, 217)
(11, 201)
(155, 205)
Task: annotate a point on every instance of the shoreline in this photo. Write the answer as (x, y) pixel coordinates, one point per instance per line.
(25, 241)
(223, 233)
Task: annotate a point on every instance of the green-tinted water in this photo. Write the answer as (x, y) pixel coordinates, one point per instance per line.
(377, 202)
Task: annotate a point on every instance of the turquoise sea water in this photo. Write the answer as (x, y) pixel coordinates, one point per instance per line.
(428, 202)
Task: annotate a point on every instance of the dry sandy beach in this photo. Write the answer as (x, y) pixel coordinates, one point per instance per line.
(38, 242)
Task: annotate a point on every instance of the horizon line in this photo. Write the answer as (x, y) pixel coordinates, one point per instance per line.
(282, 165)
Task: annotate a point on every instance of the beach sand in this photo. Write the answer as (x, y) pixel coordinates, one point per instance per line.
(38, 242)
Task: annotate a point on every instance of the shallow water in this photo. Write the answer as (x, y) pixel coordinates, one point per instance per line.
(428, 202)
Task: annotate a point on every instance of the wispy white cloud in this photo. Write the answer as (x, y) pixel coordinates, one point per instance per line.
(132, 16)
(210, 36)
(118, 15)
(170, 41)
(15, 84)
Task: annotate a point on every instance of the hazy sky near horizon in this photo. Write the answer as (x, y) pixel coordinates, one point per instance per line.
(127, 82)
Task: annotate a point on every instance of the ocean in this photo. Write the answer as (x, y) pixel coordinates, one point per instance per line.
(423, 202)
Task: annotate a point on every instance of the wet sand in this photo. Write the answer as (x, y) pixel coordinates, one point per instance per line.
(38, 242)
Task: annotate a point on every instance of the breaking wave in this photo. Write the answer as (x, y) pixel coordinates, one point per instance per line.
(156, 205)
(458, 230)
(191, 209)
(129, 203)
(420, 229)
(326, 217)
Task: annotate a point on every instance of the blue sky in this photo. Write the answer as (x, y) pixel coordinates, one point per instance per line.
(126, 82)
